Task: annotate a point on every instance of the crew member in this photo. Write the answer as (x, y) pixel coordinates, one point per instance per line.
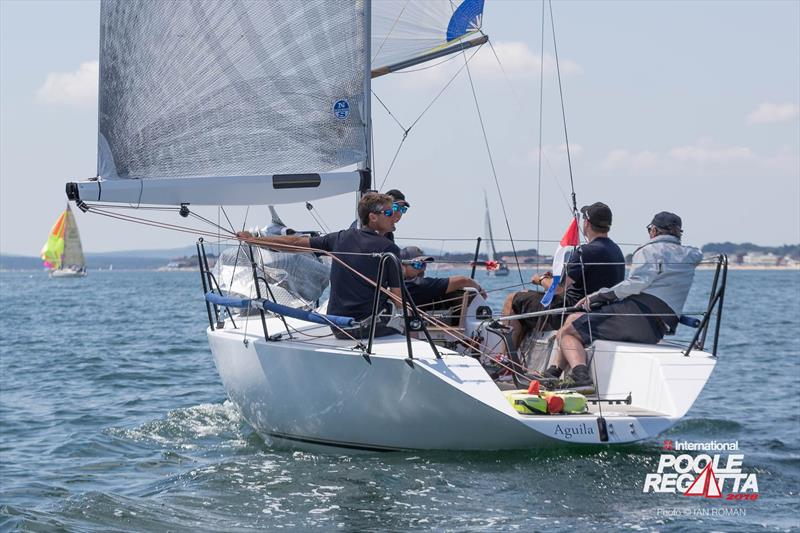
(425, 290)
(353, 250)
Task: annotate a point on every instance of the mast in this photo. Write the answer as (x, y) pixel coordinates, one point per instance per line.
(368, 84)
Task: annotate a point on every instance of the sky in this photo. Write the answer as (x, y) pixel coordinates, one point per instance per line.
(690, 107)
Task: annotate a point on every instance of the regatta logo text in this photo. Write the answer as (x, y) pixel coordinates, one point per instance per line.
(705, 475)
(568, 431)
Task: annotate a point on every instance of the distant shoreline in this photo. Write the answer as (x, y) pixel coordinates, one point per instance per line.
(432, 267)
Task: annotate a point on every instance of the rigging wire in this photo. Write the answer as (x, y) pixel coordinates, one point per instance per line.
(494, 171)
(563, 111)
(523, 105)
(317, 217)
(388, 111)
(424, 111)
(541, 112)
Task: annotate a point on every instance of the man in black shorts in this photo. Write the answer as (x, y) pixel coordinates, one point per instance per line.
(642, 308)
(596, 264)
(351, 295)
(425, 290)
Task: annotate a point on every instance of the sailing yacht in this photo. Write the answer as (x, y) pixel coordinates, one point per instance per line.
(494, 267)
(267, 103)
(63, 253)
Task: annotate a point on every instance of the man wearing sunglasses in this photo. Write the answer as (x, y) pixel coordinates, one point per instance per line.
(351, 295)
(400, 207)
(425, 290)
(596, 264)
(642, 308)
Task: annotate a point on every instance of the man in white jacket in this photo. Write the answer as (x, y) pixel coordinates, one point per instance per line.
(642, 308)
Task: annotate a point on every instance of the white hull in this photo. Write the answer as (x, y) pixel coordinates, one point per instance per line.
(67, 273)
(325, 392)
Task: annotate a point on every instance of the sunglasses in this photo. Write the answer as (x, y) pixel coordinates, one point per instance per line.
(418, 265)
(401, 208)
(385, 212)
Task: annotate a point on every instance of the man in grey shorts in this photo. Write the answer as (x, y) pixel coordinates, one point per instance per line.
(642, 308)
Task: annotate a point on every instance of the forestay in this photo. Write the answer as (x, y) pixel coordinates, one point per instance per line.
(236, 102)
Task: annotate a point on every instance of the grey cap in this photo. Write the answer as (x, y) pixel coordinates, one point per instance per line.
(414, 253)
(667, 220)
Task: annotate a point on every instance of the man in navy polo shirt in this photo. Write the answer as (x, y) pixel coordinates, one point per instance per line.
(596, 264)
(425, 290)
(351, 295)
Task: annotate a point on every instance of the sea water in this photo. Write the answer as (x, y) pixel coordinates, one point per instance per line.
(113, 418)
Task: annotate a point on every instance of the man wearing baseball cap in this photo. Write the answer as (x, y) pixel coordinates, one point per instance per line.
(596, 264)
(424, 290)
(642, 308)
(400, 207)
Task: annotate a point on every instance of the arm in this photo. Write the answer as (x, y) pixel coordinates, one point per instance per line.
(546, 280)
(284, 243)
(455, 283)
(646, 267)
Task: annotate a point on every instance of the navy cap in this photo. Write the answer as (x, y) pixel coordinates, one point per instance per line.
(667, 220)
(398, 197)
(599, 214)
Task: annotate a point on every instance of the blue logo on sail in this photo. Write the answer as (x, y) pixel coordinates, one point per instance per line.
(341, 110)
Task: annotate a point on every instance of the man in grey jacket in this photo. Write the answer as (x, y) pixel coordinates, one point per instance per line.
(642, 308)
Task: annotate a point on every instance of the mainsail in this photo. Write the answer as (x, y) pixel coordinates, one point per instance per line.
(217, 102)
(248, 102)
(488, 230)
(63, 245)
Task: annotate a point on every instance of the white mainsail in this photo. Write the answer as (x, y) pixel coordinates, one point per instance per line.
(251, 102)
(236, 102)
(73, 251)
(488, 230)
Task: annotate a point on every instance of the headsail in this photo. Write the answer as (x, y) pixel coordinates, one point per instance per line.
(408, 32)
(53, 248)
(63, 247)
(242, 98)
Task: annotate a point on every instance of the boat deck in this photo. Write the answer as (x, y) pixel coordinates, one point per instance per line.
(621, 410)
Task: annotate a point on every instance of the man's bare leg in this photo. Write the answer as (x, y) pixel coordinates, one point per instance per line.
(571, 351)
(515, 325)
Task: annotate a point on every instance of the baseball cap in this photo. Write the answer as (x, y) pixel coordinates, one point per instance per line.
(599, 214)
(667, 220)
(399, 197)
(414, 253)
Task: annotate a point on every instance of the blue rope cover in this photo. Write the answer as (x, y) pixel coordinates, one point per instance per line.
(300, 314)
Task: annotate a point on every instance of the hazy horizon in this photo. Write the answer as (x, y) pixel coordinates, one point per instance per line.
(686, 107)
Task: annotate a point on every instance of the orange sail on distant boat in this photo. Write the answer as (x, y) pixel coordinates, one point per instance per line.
(62, 253)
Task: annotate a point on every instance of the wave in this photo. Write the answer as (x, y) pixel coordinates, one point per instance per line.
(189, 427)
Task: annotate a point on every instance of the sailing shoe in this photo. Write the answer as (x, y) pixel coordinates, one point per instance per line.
(579, 379)
(552, 372)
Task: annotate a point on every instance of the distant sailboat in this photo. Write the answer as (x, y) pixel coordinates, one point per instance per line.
(62, 253)
(494, 267)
